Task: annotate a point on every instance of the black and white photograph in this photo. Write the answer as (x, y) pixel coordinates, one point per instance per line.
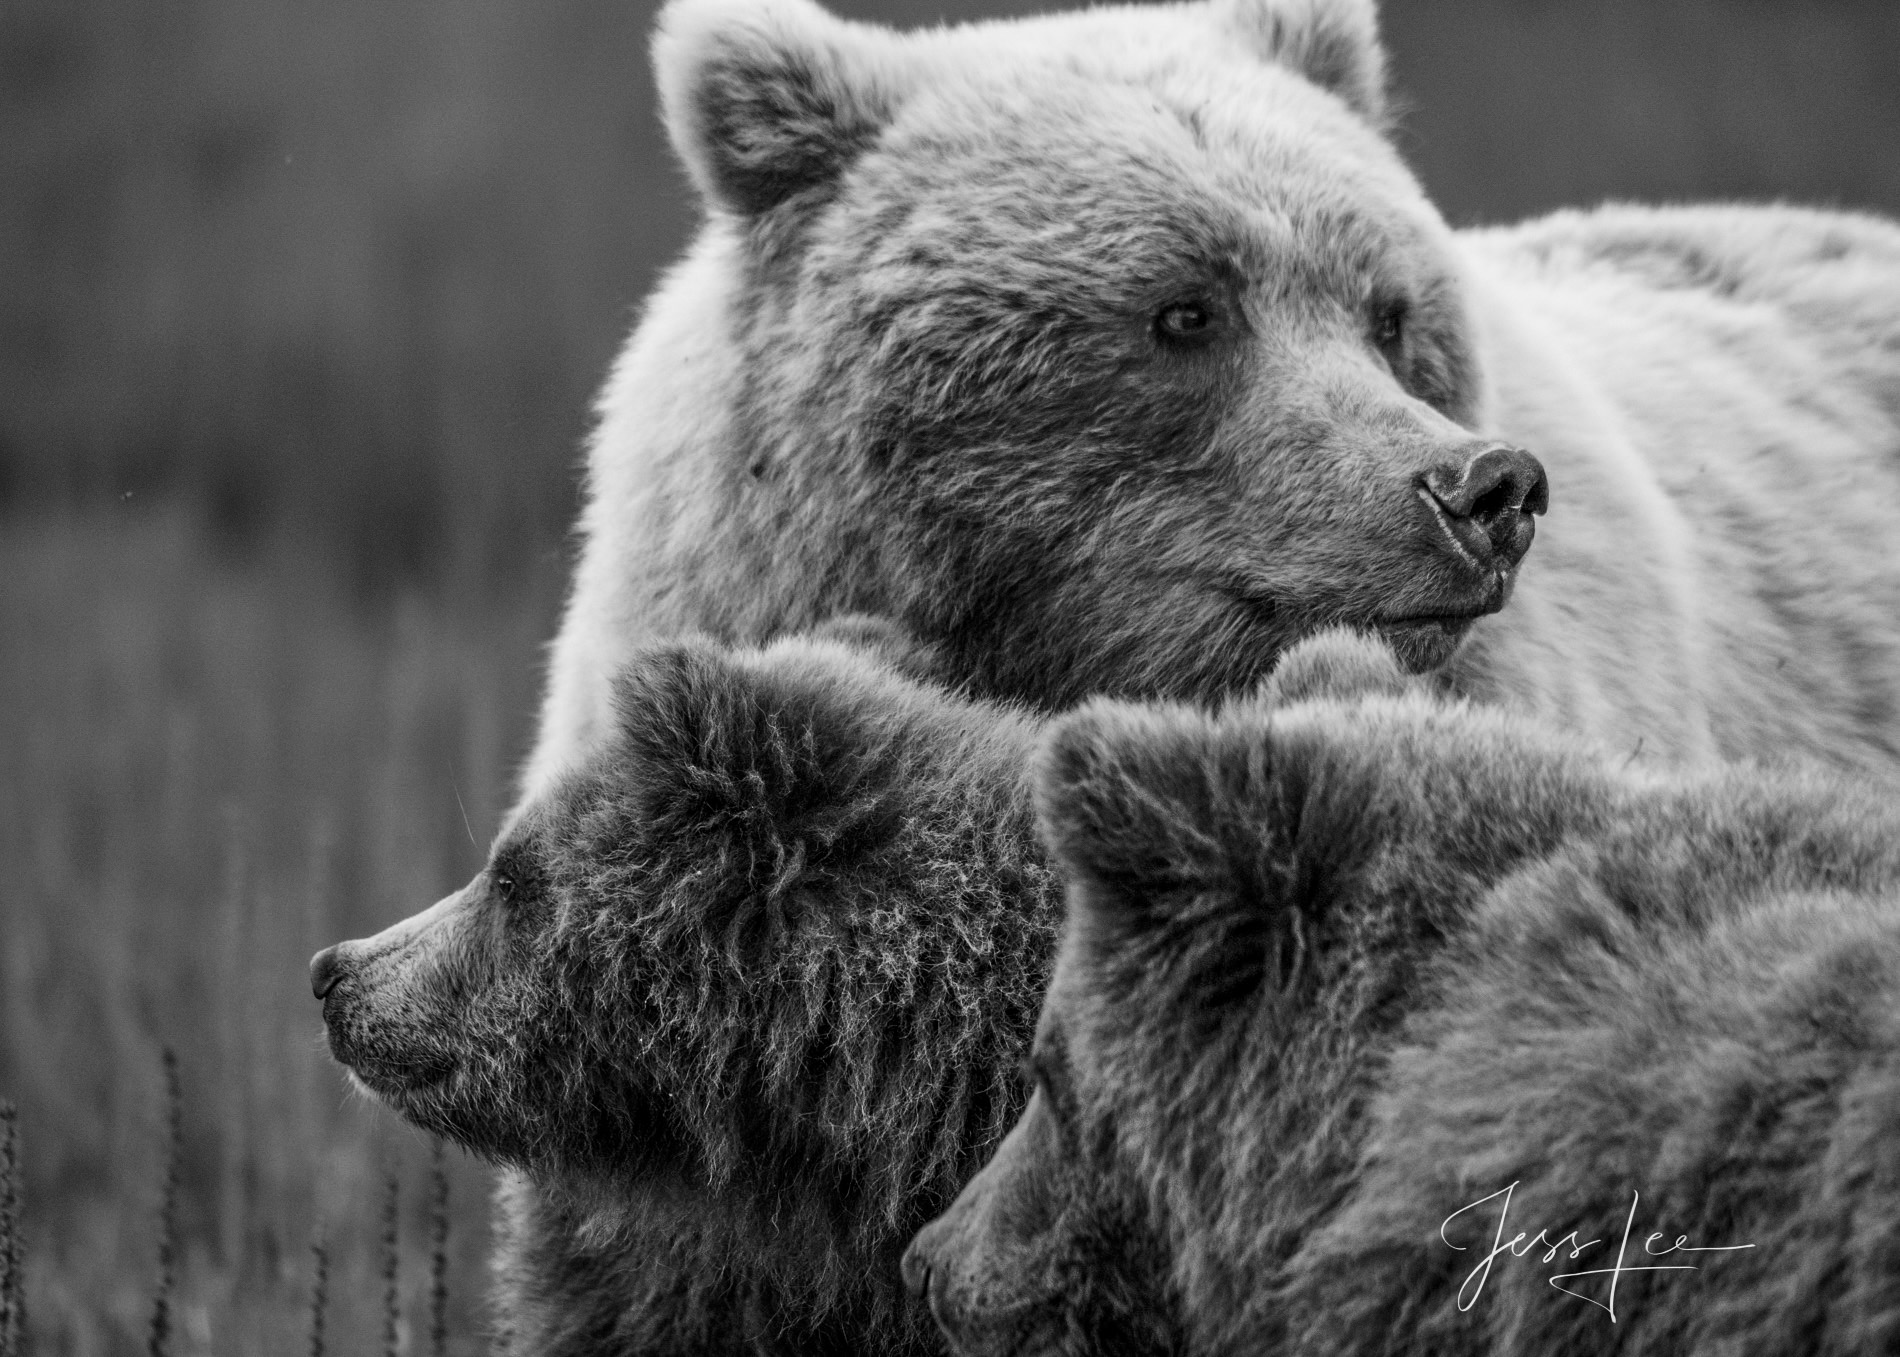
(950, 678)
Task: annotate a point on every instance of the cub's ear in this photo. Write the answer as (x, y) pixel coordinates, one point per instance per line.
(1171, 832)
(680, 708)
(1333, 43)
(765, 99)
(1336, 664)
(713, 743)
(1130, 798)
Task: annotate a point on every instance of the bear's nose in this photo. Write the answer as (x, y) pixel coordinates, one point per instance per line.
(1485, 506)
(326, 968)
(916, 1269)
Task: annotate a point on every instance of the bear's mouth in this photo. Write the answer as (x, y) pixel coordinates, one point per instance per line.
(1445, 622)
(385, 1072)
(1425, 641)
(393, 1078)
(1014, 1327)
(393, 1082)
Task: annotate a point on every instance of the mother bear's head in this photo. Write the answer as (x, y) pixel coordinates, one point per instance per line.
(1111, 352)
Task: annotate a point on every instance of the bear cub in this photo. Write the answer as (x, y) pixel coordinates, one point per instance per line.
(755, 979)
(1385, 1024)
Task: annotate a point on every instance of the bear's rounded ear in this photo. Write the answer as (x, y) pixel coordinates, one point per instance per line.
(767, 98)
(1335, 664)
(671, 699)
(1173, 841)
(1333, 43)
(1125, 797)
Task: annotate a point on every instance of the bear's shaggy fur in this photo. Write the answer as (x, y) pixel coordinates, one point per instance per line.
(1336, 978)
(741, 1001)
(1113, 351)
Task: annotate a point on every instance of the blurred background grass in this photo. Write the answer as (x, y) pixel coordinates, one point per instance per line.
(300, 310)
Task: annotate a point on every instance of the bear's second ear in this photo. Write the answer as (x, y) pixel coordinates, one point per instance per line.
(767, 98)
(1128, 797)
(1333, 43)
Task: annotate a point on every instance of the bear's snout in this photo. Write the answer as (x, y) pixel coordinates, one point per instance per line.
(915, 1267)
(1485, 506)
(326, 968)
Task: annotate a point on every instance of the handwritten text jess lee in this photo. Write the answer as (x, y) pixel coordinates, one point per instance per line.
(1522, 1244)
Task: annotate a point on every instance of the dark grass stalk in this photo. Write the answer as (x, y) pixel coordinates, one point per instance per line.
(319, 1290)
(160, 1342)
(438, 1252)
(392, 1269)
(12, 1253)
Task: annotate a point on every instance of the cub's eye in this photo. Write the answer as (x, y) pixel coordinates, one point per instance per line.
(1032, 1072)
(1183, 321)
(515, 881)
(512, 879)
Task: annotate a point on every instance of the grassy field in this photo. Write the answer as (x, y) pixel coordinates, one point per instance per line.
(228, 763)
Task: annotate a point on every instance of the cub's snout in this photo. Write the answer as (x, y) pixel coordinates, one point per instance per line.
(393, 1003)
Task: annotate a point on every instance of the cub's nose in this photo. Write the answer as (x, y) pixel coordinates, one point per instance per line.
(1485, 506)
(325, 970)
(916, 1269)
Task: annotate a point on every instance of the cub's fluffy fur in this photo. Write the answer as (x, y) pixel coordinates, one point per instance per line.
(1339, 976)
(749, 988)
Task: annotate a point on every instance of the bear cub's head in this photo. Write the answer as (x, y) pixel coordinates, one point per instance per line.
(1115, 351)
(1249, 898)
(666, 965)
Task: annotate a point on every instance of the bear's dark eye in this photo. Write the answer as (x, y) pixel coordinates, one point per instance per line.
(512, 879)
(1184, 321)
(1388, 333)
(1043, 1070)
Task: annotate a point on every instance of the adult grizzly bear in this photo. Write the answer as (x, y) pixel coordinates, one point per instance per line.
(1387, 1025)
(1113, 351)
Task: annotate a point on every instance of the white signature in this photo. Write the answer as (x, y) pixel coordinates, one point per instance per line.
(1523, 1244)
